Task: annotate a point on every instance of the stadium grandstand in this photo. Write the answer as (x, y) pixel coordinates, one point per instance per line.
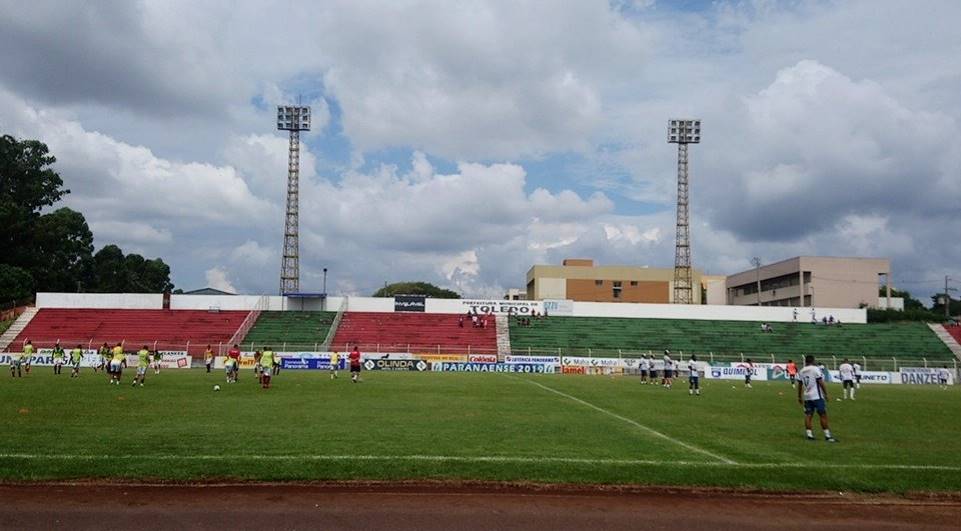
(189, 330)
(302, 330)
(415, 332)
(604, 336)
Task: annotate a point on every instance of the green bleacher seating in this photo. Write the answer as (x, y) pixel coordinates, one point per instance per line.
(575, 335)
(299, 330)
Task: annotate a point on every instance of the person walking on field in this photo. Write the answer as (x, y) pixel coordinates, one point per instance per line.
(847, 378)
(266, 363)
(17, 362)
(668, 370)
(792, 372)
(645, 366)
(694, 381)
(143, 363)
(234, 354)
(58, 355)
(748, 373)
(116, 364)
(208, 358)
(354, 365)
(813, 396)
(76, 356)
(334, 362)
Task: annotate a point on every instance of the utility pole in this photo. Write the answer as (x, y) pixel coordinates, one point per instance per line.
(757, 269)
(947, 297)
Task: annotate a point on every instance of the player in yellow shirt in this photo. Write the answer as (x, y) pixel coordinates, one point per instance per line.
(208, 358)
(116, 364)
(143, 362)
(17, 360)
(266, 362)
(334, 361)
(76, 356)
(58, 355)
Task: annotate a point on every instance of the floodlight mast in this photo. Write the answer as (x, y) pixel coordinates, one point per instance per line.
(682, 133)
(292, 118)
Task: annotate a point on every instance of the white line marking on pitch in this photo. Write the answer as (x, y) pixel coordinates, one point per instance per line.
(636, 424)
(470, 459)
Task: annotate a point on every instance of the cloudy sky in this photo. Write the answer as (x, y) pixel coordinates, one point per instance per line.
(462, 142)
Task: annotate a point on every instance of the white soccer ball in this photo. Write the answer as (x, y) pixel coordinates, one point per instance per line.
(216, 388)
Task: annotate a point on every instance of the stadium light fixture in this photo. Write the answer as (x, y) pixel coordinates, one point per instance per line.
(294, 119)
(683, 132)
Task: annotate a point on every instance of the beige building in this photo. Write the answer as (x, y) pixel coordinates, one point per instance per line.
(581, 280)
(809, 281)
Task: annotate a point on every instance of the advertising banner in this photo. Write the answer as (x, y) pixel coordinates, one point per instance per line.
(735, 373)
(869, 377)
(926, 376)
(546, 360)
(493, 367)
(501, 307)
(410, 303)
(622, 363)
(173, 359)
(558, 307)
(482, 358)
(311, 361)
(432, 358)
(395, 365)
(364, 356)
(571, 369)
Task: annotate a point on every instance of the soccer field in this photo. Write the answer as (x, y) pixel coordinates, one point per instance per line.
(539, 428)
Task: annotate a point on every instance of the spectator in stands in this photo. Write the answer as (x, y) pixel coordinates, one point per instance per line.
(460, 321)
(824, 320)
(831, 320)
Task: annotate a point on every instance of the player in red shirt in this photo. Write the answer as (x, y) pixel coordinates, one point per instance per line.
(354, 364)
(792, 372)
(234, 354)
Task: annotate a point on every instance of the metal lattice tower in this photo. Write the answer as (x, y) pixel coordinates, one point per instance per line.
(682, 133)
(293, 119)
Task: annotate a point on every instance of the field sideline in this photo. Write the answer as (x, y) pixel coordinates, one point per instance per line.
(491, 427)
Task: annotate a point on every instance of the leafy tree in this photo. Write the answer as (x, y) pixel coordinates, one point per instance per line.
(954, 307)
(910, 303)
(416, 288)
(15, 283)
(62, 252)
(117, 273)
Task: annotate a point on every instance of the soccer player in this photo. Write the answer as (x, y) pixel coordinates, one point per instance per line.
(668, 369)
(847, 378)
(103, 353)
(354, 365)
(652, 372)
(792, 372)
(143, 362)
(645, 366)
(208, 358)
(116, 364)
(857, 375)
(748, 373)
(943, 377)
(694, 382)
(76, 356)
(334, 361)
(234, 354)
(156, 361)
(258, 368)
(813, 395)
(58, 355)
(17, 362)
(266, 364)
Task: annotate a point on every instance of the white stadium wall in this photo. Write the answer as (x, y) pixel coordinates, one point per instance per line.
(774, 314)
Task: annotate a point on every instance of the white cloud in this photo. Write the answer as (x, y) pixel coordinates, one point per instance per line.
(217, 279)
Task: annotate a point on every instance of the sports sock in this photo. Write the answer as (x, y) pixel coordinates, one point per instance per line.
(809, 433)
(827, 434)
(852, 394)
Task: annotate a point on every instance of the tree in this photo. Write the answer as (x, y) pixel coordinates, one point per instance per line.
(15, 283)
(910, 303)
(117, 273)
(62, 251)
(416, 288)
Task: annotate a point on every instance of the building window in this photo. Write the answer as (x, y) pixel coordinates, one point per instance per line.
(633, 283)
(617, 293)
(598, 282)
(617, 283)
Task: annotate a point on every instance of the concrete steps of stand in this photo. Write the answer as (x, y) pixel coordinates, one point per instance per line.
(503, 335)
(7, 337)
(947, 338)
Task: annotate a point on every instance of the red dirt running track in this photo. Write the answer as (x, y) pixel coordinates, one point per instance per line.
(446, 506)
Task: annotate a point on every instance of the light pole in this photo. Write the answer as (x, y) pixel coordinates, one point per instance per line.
(947, 297)
(294, 119)
(682, 133)
(757, 269)
(325, 281)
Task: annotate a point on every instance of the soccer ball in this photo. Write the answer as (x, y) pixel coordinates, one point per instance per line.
(216, 388)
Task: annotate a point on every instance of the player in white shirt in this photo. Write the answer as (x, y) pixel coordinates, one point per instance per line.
(813, 396)
(944, 376)
(693, 380)
(668, 369)
(645, 365)
(857, 375)
(748, 373)
(847, 378)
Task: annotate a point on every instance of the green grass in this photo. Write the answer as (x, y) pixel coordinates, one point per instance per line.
(500, 427)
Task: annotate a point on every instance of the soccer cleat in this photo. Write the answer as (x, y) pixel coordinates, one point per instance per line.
(810, 437)
(830, 439)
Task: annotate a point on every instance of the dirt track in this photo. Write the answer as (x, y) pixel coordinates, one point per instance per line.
(452, 507)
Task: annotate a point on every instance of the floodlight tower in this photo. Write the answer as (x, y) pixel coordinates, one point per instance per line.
(682, 133)
(292, 118)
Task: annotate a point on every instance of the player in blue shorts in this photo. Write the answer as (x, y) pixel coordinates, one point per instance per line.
(813, 395)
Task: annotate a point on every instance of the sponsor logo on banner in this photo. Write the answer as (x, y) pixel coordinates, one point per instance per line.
(432, 358)
(482, 358)
(926, 376)
(317, 364)
(867, 377)
(410, 303)
(547, 360)
(735, 373)
(501, 307)
(558, 307)
(364, 356)
(492, 367)
(395, 365)
(571, 369)
(622, 363)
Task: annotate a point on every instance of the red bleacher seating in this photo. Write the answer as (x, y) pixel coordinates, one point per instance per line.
(171, 329)
(955, 332)
(414, 332)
